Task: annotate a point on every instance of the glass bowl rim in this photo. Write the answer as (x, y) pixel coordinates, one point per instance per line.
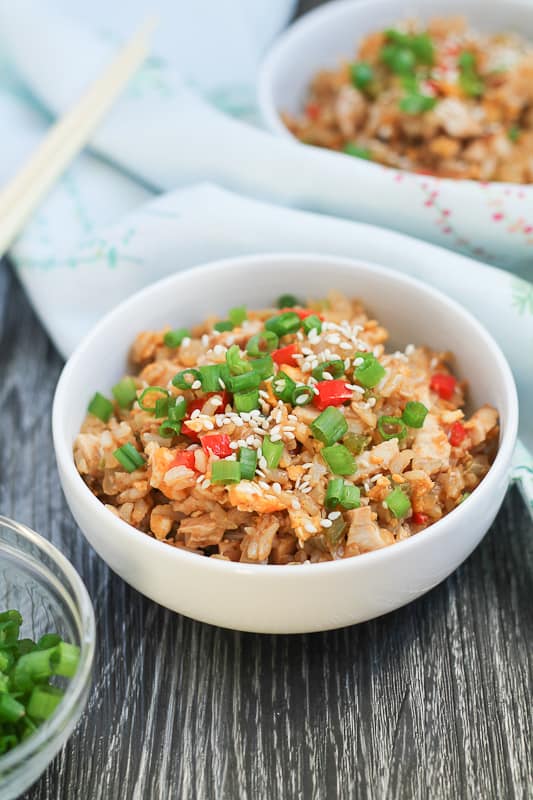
(52, 728)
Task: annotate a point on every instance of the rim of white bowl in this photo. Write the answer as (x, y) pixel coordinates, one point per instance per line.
(293, 37)
(53, 727)
(497, 473)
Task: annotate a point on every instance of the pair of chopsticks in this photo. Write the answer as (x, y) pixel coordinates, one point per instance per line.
(67, 137)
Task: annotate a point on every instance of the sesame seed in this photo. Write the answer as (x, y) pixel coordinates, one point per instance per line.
(296, 504)
(208, 425)
(276, 437)
(206, 484)
(264, 485)
(326, 523)
(345, 346)
(309, 527)
(205, 340)
(306, 489)
(234, 445)
(333, 515)
(196, 385)
(186, 341)
(276, 487)
(196, 413)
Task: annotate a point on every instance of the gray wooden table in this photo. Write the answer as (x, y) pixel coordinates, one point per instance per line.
(432, 701)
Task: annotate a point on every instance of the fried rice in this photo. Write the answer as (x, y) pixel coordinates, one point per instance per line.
(284, 436)
(439, 99)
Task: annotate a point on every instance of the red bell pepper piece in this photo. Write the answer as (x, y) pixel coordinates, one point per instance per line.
(458, 433)
(443, 384)
(185, 458)
(419, 518)
(217, 443)
(313, 111)
(303, 313)
(331, 393)
(285, 355)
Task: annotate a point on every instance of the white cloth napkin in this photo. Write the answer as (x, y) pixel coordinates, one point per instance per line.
(101, 235)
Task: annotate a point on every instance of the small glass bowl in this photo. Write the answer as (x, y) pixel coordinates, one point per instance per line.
(40, 583)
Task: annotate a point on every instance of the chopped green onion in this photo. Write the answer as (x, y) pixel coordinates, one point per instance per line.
(283, 324)
(334, 493)
(185, 378)
(236, 364)
(151, 390)
(176, 337)
(272, 452)
(223, 325)
(261, 343)
(422, 46)
(38, 665)
(469, 80)
(246, 401)
(351, 496)
(100, 407)
(237, 315)
(398, 503)
(414, 414)
(129, 457)
(210, 377)
(283, 387)
(168, 428)
(335, 368)
(47, 641)
(361, 74)
(68, 656)
(125, 392)
(513, 133)
(177, 408)
(356, 442)
(225, 472)
(11, 616)
(417, 103)
(243, 383)
(391, 427)
(43, 701)
(370, 372)
(10, 709)
(464, 497)
(263, 366)
(399, 60)
(302, 395)
(288, 301)
(353, 149)
(248, 462)
(161, 407)
(312, 323)
(329, 426)
(335, 532)
(339, 459)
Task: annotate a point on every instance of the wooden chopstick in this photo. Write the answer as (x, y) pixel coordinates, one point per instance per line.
(67, 137)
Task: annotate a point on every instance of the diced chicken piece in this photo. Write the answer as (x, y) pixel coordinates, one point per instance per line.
(88, 453)
(457, 118)
(350, 110)
(249, 496)
(481, 423)
(257, 543)
(201, 531)
(145, 346)
(364, 534)
(376, 460)
(431, 447)
(162, 520)
(305, 523)
(419, 481)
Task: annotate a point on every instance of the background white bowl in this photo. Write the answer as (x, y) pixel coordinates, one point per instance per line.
(286, 599)
(492, 221)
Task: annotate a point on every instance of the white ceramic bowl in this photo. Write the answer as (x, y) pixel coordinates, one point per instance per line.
(285, 599)
(492, 221)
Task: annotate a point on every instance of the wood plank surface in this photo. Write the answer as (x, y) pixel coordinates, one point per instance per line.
(432, 701)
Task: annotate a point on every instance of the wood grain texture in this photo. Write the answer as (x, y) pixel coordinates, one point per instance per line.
(431, 702)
